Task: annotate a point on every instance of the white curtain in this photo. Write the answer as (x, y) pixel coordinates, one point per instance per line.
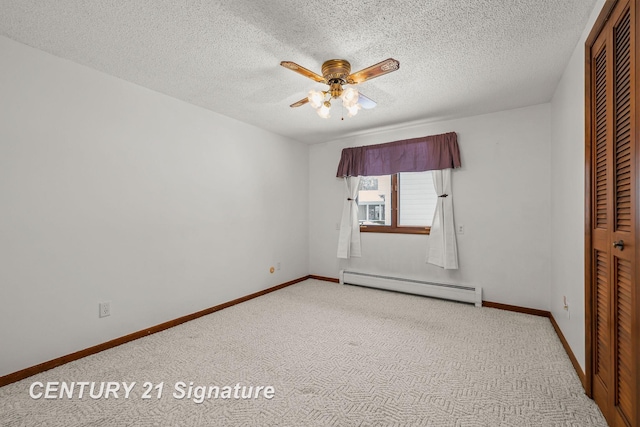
(349, 239)
(443, 250)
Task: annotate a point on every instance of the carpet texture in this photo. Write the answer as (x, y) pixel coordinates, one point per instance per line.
(336, 356)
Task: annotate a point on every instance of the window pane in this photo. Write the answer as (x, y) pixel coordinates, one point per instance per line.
(374, 200)
(418, 199)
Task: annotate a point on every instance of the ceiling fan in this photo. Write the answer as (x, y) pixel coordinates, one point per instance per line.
(336, 73)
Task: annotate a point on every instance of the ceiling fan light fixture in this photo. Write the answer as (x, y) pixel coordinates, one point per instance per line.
(336, 73)
(316, 98)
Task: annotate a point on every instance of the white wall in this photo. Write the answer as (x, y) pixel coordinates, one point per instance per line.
(112, 192)
(501, 196)
(567, 198)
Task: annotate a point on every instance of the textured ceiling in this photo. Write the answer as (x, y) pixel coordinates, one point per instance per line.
(457, 57)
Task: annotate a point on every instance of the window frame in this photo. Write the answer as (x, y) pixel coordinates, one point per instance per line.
(394, 228)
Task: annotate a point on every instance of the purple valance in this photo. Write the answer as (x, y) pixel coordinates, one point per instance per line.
(427, 153)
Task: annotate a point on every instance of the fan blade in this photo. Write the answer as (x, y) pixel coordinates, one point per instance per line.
(381, 68)
(301, 70)
(365, 102)
(299, 103)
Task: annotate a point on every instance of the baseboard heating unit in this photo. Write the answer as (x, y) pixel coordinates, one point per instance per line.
(468, 294)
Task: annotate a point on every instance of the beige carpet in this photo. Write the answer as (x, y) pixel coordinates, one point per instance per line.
(336, 356)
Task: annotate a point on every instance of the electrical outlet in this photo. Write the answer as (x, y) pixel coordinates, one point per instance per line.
(105, 309)
(460, 229)
(278, 266)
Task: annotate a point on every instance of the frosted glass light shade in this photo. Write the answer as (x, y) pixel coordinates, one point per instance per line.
(316, 98)
(353, 110)
(324, 110)
(350, 97)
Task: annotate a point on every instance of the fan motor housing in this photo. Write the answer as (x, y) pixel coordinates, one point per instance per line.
(335, 89)
(336, 69)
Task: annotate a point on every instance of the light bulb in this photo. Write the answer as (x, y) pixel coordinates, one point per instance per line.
(316, 98)
(324, 110)
(353, 110)
(350, 97)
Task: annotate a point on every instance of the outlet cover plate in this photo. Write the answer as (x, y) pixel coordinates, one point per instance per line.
(105, 309)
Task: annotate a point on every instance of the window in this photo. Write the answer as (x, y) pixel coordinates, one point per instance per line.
(399, 203)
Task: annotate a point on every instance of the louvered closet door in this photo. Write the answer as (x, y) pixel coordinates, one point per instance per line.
(614, 352)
